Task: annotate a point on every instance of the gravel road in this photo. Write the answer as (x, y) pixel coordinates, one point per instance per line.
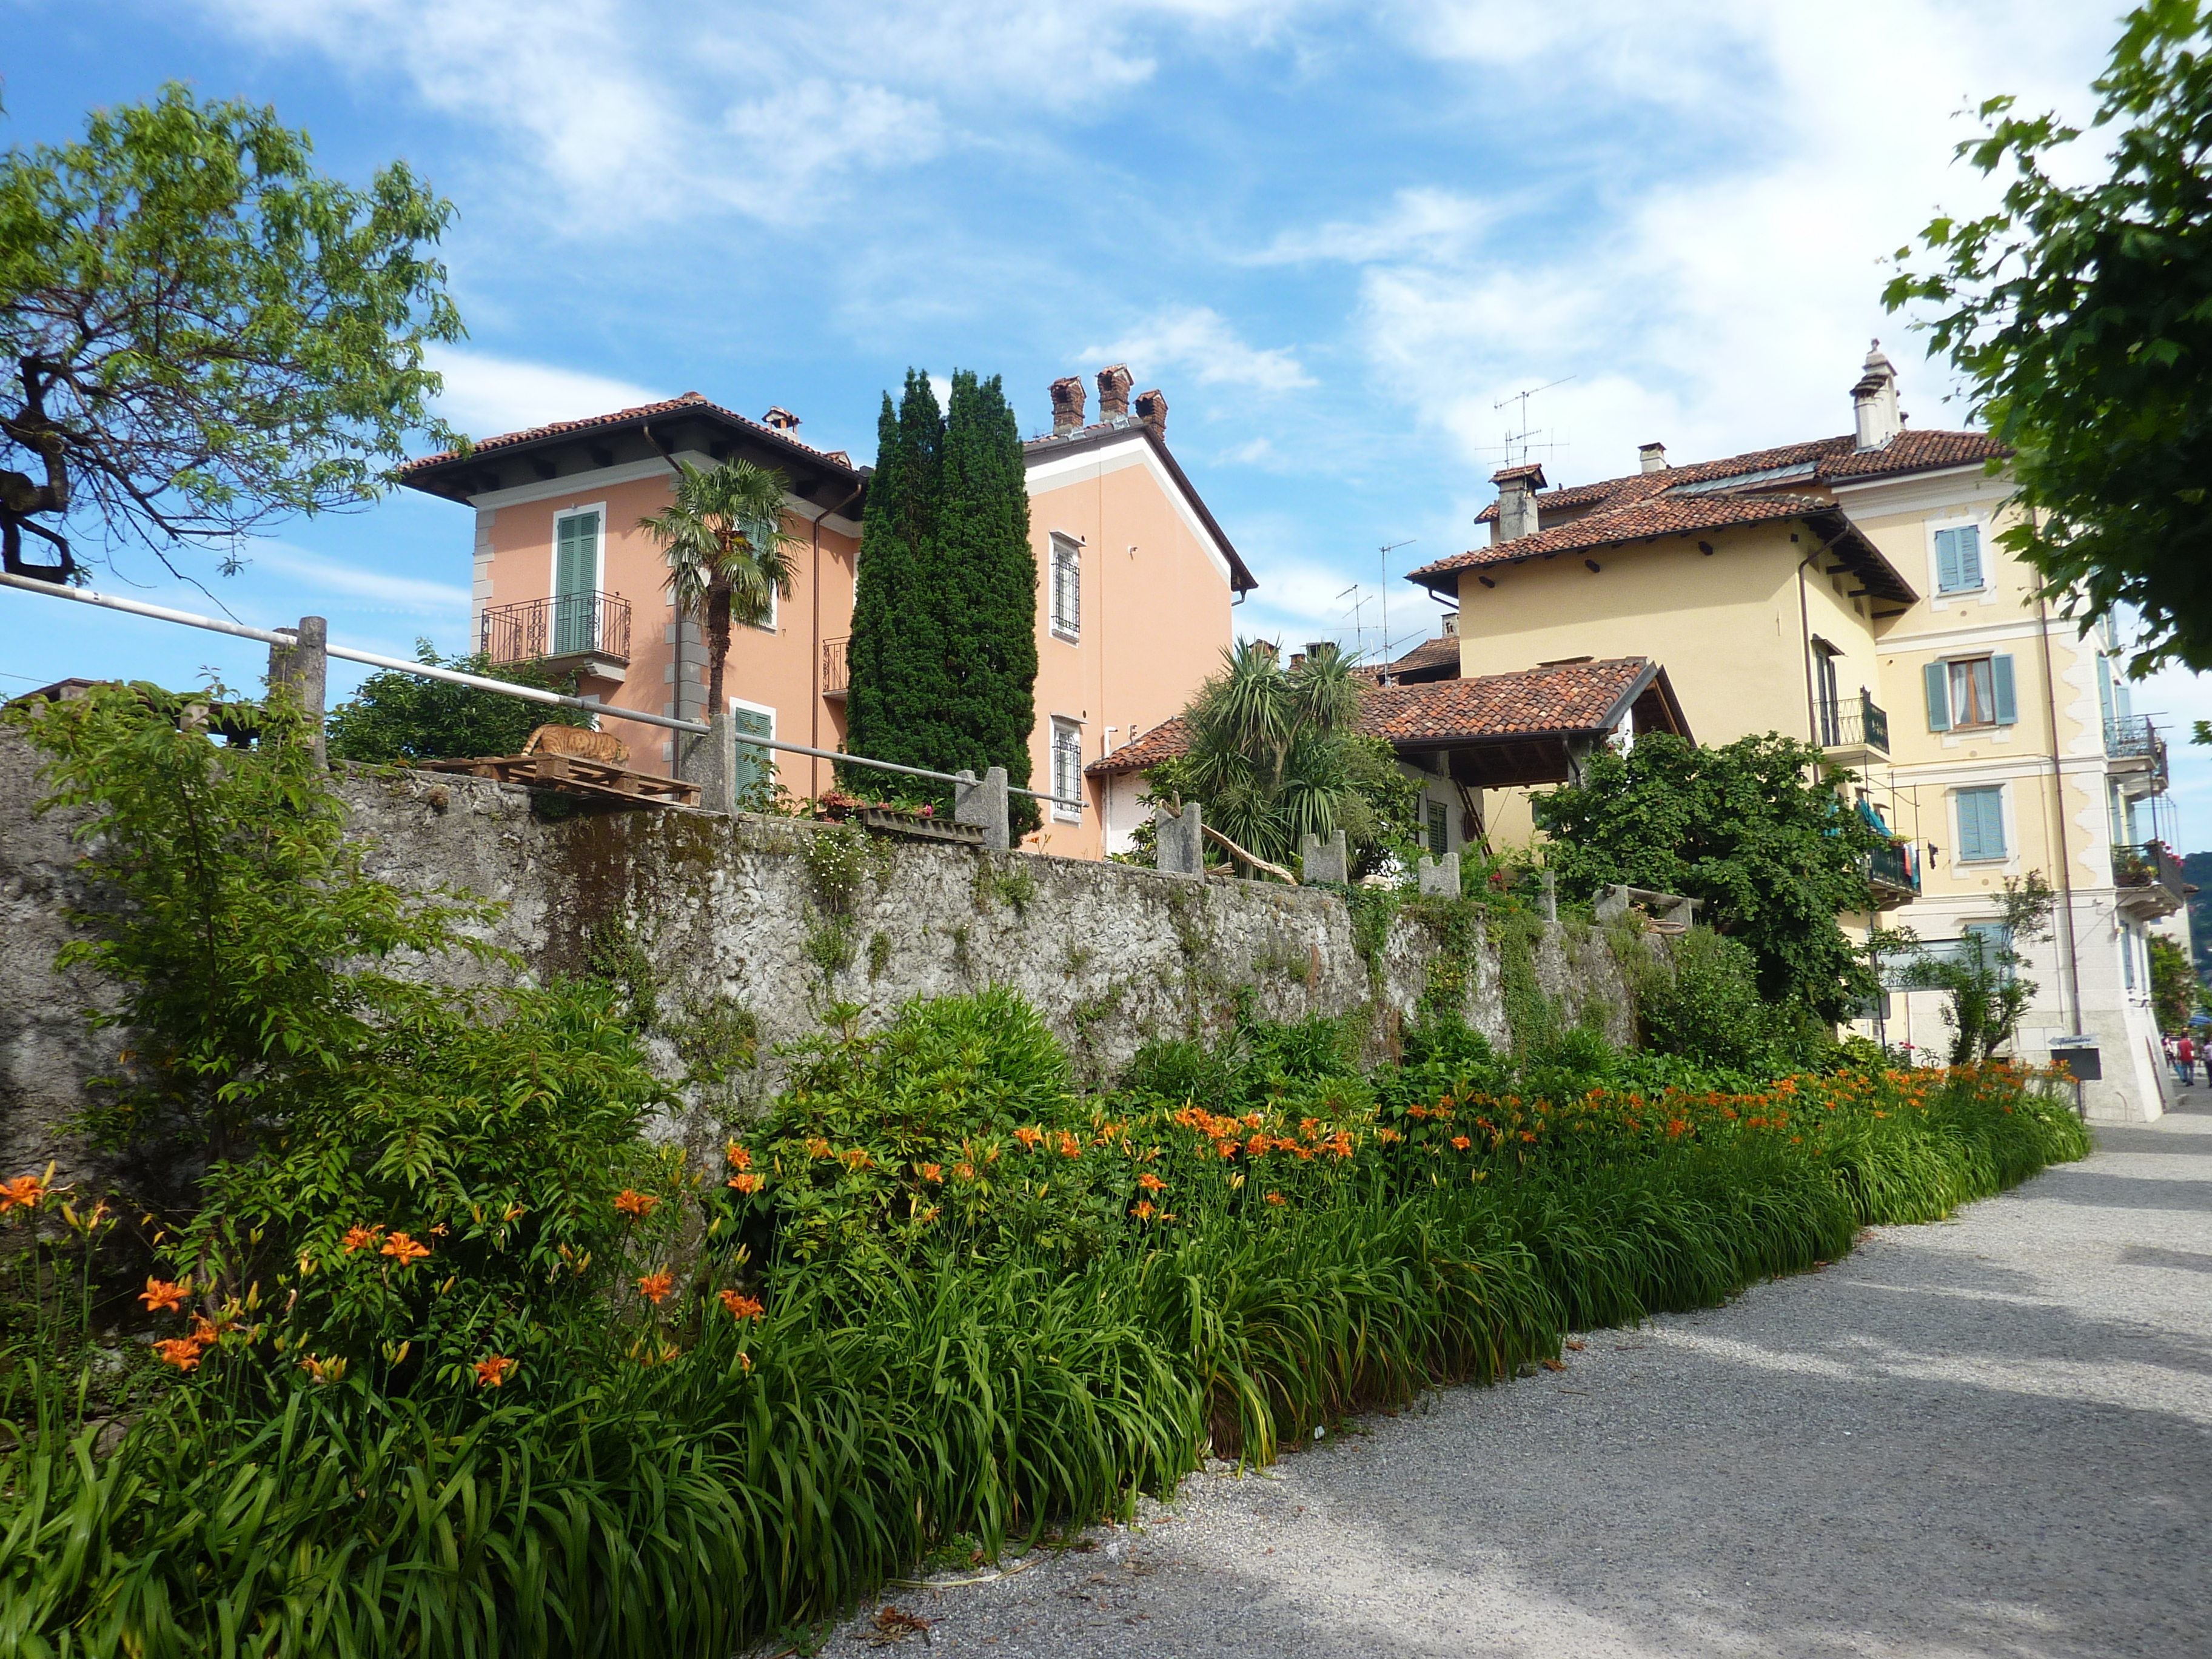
(1988, 1436)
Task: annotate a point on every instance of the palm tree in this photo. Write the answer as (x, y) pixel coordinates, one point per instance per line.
(724, 540)
(1268, 752)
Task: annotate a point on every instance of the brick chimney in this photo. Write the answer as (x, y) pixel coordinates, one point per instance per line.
(1068, 400)
(1517, 501)
(782, 420)
(1651, 457)
(1874, 401)
(1152, 410)
(1113, 383)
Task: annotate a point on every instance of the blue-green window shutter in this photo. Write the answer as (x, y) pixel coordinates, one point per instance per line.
(1981, 823)
(1959, 560)
(575, 574)
(2000, 677)
(754, 764)
(2105, 691)
(1938, 677)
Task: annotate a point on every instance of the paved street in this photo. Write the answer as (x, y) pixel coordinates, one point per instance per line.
(1989, 1437)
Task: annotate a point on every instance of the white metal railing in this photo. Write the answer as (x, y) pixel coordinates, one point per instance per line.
(289, 639)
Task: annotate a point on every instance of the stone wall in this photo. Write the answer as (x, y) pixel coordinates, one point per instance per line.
(763, 925)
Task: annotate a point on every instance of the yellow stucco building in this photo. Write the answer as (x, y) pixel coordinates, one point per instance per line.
(1851, 592)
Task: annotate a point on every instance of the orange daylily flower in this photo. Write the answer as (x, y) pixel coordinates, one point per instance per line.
(1277, 1197)
(1069, 1145)
(26, 1190)
(361, 1238)
(403, 1250)
(742, 1306)
(636, 1205)
(1150, 1183)
(932, 1172)
(161, 1294)
(817, 1147)
(748, 1184)
(1028, 1136)
(739, 1156)
(492, 1369)
(182, 1351)
(1145, 1210)
(654, 1287)
(1462, 1142)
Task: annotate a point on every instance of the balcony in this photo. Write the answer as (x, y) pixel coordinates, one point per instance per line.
(835, 674)
(1894, 873)
(2149, 879)
(1855, 731)
(2136, 755)
(574, 633)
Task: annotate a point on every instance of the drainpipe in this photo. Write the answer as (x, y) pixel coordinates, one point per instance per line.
(814, 740)
(2065, 855)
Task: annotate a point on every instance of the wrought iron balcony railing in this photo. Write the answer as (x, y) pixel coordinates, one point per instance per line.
(1854, 723)
(1894, 871)
(835, 676)
(568, 625)
(2133, 744)
(2149, 875)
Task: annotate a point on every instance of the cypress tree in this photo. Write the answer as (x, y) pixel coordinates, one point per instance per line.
(895, 653)
(942, 656)
(982, 563)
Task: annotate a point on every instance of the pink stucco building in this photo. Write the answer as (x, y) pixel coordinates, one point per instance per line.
(1136, 582)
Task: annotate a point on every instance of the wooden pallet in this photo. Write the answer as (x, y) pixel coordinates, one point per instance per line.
(920, 828)
(574, 775)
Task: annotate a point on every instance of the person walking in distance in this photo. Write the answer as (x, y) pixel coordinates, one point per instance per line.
(2185, 1052)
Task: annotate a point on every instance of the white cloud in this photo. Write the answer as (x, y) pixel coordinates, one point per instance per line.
(408, 594)
(1422, 223)
(1197, 340)
(485, 395)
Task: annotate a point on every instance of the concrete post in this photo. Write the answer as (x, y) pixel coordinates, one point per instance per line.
(711, 762)
(1439, 877)
(1551, 899)
(983, 803)
(306, 667)
(1180, 848)
(1329, 863)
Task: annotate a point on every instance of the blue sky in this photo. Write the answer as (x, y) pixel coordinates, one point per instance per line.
(1336, 235)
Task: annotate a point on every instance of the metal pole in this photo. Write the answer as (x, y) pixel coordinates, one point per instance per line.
(454, 676)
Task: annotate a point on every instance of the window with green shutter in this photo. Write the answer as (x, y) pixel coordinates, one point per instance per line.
(1981, 824)
(1439, 830)
(1959, 560)
(575, 579)
(756, 768)
(1971, 691)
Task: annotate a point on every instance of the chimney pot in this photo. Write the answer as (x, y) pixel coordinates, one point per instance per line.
(1874, 401)
(781, 419)
(1152, 410)
(1516, 500)
(1113, 384)
(1651, 457)
(1068, 400)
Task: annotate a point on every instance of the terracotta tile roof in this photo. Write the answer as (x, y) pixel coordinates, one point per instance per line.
(1911, 451)
(1581, 696)
(1564, 698)
(691, 403)
(1164, 742)
(1636, 520)
(1442, 651)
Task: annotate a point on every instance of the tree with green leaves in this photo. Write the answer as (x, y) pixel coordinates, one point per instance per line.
(943, 654)
(2176, 993)
(728, 553)
(1275, 755)
(1977, 972)
(1756, 829)
(2082, 318)
(204, 334)
(403, 717)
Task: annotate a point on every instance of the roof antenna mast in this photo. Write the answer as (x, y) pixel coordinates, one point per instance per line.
(1527, 431)
(1382, 668)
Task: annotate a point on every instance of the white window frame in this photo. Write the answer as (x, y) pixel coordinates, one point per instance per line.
(1980, 526)
(1070, 548)
(1064, 726)
(736, 703)
(598, 554)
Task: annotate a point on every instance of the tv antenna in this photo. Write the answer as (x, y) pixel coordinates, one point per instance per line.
(1359, 632)
(1527, 431)
(1382, 668)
